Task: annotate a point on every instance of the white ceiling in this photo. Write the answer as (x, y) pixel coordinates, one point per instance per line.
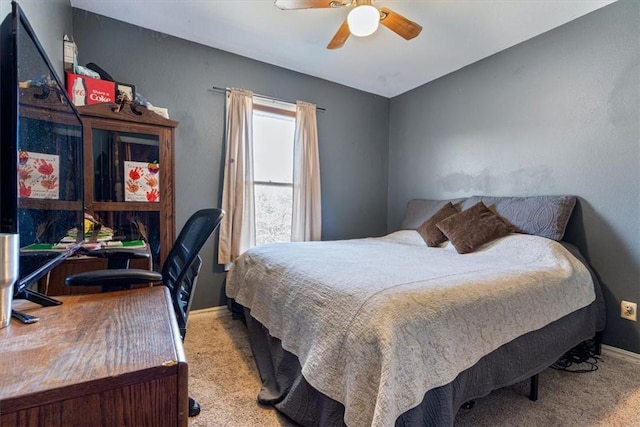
(455, 33)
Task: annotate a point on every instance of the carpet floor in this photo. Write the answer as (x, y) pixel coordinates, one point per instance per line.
(224, 379)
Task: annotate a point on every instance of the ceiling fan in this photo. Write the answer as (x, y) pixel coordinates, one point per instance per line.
(362, 20)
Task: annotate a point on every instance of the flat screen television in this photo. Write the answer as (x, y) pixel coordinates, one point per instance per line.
(42, 194)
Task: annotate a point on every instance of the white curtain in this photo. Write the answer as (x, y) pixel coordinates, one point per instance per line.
(307, 215)
(237, 230)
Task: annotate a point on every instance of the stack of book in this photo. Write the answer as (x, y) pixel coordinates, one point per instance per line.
(96, 236)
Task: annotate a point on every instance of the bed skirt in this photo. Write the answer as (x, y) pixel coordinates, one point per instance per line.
(284, 387)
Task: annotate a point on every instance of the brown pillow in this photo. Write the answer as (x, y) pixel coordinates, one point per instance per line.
(472, 228)
(428, 230)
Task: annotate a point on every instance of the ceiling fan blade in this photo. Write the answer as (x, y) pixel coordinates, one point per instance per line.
(340, 37)
(399, 24)
(307, 4)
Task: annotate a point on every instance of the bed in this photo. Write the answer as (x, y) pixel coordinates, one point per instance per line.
(469, 296)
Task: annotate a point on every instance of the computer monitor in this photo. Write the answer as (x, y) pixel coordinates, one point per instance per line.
(41, 173)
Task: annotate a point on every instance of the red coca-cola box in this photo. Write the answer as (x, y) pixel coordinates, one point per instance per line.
(85, 90)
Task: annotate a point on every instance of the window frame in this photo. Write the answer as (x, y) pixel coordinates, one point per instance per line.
(286, 110)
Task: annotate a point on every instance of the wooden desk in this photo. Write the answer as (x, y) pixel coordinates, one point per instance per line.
(111, 359)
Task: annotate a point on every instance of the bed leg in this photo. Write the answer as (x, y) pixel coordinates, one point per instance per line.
(597, 348)
(533, 390)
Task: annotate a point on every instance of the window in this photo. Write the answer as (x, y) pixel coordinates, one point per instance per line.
(273, 135)
(276, 136)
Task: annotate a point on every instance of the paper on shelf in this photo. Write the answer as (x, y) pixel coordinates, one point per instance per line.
(128, 244)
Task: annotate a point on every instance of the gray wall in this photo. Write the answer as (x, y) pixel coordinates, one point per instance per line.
(176, 74)
(557, 114)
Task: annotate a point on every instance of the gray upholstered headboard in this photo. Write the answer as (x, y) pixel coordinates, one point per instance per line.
(545, 216)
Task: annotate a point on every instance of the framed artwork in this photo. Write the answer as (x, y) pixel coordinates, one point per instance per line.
(38, 175)
(142, 182)
(127, 89)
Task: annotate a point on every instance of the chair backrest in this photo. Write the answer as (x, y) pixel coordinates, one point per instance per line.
(182, 265)
(184, 297)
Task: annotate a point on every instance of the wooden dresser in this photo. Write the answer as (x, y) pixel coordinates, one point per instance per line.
(111, 359)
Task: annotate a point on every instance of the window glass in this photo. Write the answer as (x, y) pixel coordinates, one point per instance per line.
(273, 147)
(273, 133)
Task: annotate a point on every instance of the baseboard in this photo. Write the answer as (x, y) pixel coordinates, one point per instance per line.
(219, 311)
(619, 353)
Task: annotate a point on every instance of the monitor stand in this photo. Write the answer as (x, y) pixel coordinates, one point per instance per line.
(24, 292)
(37, 297)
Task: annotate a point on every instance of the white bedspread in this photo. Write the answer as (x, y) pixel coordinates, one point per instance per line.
(378, 322)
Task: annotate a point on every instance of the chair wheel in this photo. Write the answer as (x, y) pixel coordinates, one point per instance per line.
(194, 407)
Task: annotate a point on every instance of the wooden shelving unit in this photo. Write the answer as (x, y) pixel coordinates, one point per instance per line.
(112, 132)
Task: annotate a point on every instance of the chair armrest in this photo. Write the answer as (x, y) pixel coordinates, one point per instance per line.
(118, 253)
(118, 258)
(114, 278)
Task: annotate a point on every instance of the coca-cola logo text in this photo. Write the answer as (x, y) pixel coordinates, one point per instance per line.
(99, 97)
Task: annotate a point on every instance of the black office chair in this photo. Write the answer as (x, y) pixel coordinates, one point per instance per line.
(179, 271)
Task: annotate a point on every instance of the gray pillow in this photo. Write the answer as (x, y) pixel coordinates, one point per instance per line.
(545, 216)
(420, 210)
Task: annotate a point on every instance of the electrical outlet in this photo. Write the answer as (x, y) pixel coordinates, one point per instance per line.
(628, 310)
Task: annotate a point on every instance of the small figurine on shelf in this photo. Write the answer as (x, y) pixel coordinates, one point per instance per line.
(122, 99)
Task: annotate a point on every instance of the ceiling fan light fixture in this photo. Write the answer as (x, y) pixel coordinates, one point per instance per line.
(363, 20)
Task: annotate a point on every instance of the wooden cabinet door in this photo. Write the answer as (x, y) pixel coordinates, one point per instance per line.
(129, 174)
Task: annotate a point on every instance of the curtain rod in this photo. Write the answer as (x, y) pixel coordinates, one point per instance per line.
(222, 89)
